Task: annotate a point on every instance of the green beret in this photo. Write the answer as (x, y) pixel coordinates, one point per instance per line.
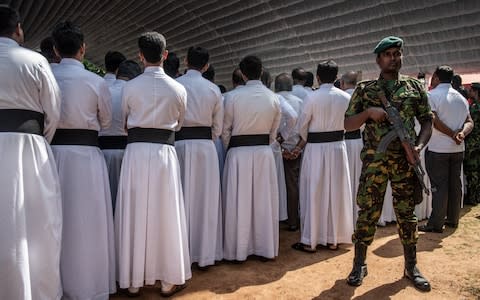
(388, 42)
(475, 85)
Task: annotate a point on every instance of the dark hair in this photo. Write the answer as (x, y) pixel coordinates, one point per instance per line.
(9, 19)
(299, 75)
(152, 45)
(222, 88)
(421, 75)
(308, 79)
(209, 74)
(456, 81)
(283, 82)
(237, 77)
(171, 64)
(444, 74)
(327, 71)
(129, 69)
(46, 49)
(251, 67)
(197, 57)
(266, 78)
(337, 83)
(68, 38)
(113, 60)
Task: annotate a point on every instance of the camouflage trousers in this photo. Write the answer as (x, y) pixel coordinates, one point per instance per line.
(377, 169)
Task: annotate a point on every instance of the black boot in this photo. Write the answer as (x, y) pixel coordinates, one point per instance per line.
(359, 270)
(411, 270)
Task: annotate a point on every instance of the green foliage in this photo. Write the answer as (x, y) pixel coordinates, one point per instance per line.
(93, 67)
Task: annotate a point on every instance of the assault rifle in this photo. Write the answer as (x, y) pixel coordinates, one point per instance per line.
(399, 130)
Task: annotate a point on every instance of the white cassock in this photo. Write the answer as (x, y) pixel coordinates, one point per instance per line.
(113, 157)
(250, 190)
(200, 169)
(110, 79)
(88, 252)
(299, 91)
(30, 197)
(325, 192)
(354, 148)
(150, 228)
(286, 129)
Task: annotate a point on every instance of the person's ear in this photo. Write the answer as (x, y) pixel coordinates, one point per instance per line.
(205, 67)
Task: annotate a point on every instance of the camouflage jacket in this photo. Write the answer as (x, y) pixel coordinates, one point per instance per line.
(472, 141)
(406, 94)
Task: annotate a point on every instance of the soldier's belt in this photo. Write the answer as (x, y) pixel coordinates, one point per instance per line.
(325, 137)
(21, 120)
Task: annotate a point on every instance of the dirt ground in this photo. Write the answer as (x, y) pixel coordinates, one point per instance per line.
(450, 260)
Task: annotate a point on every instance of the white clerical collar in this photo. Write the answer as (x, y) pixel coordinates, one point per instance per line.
(253, 82)
(72, 61)
(8, 41)
(154, 69)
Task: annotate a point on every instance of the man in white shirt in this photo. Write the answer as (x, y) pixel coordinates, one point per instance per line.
(325, 192)
(299, 76)
(444, 156)
(354, 143)
(112, 61)
(199, 162)
(87, 206)
(113, 140)
(150, 229)
(250, 188)
(283, 87)
(30, 206)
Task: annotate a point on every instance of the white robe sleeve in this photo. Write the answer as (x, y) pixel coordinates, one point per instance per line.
(182, 107)
(50, 100)
(217, 123)
(104, 106)
(276, 121)
(227, 122)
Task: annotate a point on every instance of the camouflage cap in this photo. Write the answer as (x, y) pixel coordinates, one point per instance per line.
(475, 85)
(388, 42)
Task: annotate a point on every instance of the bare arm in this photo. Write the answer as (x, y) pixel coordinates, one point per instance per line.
(442, 127)
(464, 131)
(424, 135)
(354, 122)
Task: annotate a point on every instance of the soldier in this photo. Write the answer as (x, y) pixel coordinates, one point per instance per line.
(408, 96)
(471, 162)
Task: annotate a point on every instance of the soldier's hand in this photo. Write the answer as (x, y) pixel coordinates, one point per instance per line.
(377, 114)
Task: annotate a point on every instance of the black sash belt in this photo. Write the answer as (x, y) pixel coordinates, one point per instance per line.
(112, 141)
(21, 120)
(77, 137)
(353, 135)
(325, 137)
(151, 135)
(194, 133)
(249, 140)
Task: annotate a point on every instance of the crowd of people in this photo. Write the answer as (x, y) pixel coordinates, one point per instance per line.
(133, 178)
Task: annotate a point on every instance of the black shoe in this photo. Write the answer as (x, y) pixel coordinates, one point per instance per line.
(411, 271)
(359, 271)
(426, 228)
(451, 225)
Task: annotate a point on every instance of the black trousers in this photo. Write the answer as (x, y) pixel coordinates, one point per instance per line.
(292, 173)
(444, 170)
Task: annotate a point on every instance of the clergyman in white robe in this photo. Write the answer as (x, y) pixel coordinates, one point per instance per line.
(325, 192)
(200, 169)
(88, 252)
(30, 206)
(150, 226)
(250, 190)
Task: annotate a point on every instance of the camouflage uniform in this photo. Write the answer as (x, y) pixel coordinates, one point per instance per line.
(409, 97)
(471, 163)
